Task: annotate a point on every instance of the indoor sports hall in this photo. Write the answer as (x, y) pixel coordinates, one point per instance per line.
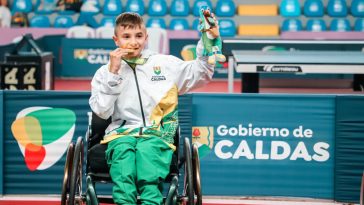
(281, 122)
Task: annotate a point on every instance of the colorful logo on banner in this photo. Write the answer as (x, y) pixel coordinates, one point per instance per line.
(92, 56)
(43, 135)
(203, 137)
(80, 54)
(188, 52)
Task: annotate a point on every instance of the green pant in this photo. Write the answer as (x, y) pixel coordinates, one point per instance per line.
(137, 166)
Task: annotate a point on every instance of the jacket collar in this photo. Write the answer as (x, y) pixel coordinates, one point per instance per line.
(147, 53)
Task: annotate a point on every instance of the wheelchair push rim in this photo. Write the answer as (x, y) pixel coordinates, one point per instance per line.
(188, 187)
(196, 174)
(75, 195)
(67, 173)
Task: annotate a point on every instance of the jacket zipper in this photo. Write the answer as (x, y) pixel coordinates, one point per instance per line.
(140, 97)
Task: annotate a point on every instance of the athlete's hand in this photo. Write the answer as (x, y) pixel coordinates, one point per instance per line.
(116, 57)
(214, 30)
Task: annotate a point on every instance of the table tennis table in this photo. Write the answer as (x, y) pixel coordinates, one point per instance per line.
(250, 63)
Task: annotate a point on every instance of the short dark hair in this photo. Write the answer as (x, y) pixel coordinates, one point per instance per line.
(129, 20)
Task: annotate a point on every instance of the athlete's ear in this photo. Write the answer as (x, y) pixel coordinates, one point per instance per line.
(116, 41)
(146, 39)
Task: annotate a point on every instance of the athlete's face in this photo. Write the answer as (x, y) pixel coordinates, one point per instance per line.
(133, 39)
(3, 3)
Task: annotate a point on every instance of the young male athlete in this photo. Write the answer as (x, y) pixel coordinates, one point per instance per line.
(139, 89)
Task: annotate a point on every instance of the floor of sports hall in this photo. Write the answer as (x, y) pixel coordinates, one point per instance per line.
(54, 200)
(296, 86)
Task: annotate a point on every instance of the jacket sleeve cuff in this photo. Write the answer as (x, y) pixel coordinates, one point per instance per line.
(200, 50)
(113, 83)
(113, 80)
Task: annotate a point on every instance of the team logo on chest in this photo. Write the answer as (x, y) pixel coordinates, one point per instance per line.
(157, 71)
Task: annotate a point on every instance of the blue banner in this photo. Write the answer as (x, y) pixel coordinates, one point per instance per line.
(265, 145)
(38, 127)
(250, 145)
(349, 152)
(82, 57)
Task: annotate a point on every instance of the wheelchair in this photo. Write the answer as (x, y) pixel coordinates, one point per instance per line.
(97, 171)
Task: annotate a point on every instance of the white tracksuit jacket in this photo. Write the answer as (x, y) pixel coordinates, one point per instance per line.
(143, 101)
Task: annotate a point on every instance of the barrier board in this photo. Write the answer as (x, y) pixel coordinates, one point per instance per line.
(266, 145)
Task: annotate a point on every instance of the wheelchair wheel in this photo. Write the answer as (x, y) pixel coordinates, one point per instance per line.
(196, 174)
(76, 175)
(67, 173)
(188, 173)
(91, 197)
(171, 198)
